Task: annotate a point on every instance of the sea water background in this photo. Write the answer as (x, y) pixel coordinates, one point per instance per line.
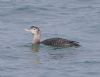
(72, 19)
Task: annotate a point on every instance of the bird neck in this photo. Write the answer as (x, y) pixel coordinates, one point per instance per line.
(36, 38)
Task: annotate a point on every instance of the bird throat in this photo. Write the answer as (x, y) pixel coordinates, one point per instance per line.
(36, 39)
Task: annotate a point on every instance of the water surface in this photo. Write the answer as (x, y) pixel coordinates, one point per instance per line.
(77, 20)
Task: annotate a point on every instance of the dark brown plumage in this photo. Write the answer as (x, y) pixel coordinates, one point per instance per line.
(60, 42)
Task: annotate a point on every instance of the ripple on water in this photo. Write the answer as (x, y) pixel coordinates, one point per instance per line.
(74, 19)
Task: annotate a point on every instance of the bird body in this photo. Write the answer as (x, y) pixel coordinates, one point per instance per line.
(59, 42)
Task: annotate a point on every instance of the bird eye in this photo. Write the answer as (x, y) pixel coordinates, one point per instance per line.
(34, 29)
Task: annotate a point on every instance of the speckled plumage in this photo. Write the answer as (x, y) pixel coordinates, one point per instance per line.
(60, 42)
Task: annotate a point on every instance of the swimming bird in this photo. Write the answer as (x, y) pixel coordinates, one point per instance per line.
(56, 42)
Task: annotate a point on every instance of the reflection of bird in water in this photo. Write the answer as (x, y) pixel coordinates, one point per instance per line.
(35, 49)
(57, 42)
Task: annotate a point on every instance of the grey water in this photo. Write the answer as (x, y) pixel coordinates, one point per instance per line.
(77, 20)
